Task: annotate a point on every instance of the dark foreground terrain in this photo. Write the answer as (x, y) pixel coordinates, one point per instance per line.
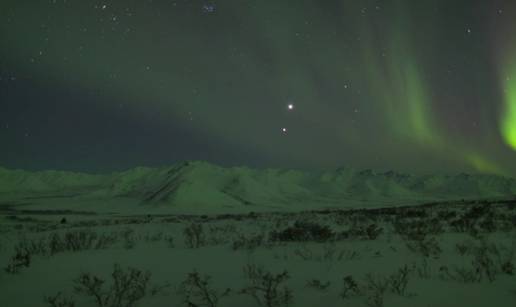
(439, 254)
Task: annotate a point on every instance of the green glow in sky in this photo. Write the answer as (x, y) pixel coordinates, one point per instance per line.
(483, 165)
(398, 85)
(508, 116)
(375, 84)
(506, 59)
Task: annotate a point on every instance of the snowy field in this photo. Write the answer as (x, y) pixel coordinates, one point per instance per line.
(436, 255)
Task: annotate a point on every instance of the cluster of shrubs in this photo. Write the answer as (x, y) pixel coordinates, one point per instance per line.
(127, 287)
(426, 247)
(304, 231)
(197, 290)
(74, 240)
(130, 285)
(265, 287)
(416, 229)
(250, 242)
(77, 240)
(374, 288)
(21, 259)
(194, 235)
(370, 232)
(487, 261)
(477, 218)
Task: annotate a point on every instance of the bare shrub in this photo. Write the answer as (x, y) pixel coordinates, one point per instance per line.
(373, 231)
(508, 268)
(427, 247)
(129, 238)
(303, 231)
(59, 300)
(318, 285)
(128, 286)
(410, 230)
(75, 240)
(105, 240)
(248, 242)
(35, 246)
(21, 259)
(488, 260)
(350, 287)
(464, 248)
(304, 253)
(460, 274)
(170, 241)
(399, 280)
(375, 288)
(503, 257)
(194, 235)
(483, 264)
(265, 287)
(329, 253)
(154, 237)
(78, 240)
(196, 291)
(376, 283)
(423, 269)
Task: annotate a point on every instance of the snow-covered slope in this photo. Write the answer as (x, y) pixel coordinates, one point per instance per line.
(204, 185)
(13, 181)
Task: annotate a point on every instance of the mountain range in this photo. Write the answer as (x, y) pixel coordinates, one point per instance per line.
(197, 184)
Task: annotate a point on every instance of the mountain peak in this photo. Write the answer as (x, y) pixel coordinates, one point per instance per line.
(200, 184)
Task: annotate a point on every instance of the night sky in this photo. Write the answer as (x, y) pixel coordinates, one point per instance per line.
(415, 86)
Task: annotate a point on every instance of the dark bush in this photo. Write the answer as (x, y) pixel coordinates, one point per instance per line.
(78, 240)
(447, 215)
(59, 301)
(248, 242)
(20, 260)
(350, 287)
(197, 291)
(128, 287)
(265, 288)
(194, 235)
(303, 231)
(373, 231)
(428, 247)
(399, 280)
(318, 285)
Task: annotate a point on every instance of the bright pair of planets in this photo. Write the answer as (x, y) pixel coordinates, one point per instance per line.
(290, 107)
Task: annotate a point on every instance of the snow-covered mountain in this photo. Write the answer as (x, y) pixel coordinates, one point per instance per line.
(204, 185)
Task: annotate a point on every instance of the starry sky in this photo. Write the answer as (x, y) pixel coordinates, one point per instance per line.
(415, 86)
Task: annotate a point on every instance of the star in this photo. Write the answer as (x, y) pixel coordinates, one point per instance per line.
(284, 130)
(290, 106)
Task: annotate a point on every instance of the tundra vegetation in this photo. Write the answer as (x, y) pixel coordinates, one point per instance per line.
(401, 256)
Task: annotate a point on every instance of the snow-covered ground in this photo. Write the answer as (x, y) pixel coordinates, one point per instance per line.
(448, 254)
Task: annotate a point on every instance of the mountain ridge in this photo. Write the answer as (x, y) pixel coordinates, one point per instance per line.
(201, 184)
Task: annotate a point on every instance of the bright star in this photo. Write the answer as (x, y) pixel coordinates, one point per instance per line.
(290, 106)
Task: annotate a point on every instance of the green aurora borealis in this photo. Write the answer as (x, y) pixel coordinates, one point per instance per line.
(419, 86)
(508, 81)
